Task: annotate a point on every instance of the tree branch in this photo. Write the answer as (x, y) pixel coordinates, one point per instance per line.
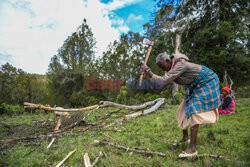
(130, 149)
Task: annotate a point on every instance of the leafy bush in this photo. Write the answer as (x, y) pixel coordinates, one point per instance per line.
(11, 109)
(243, 92)
(92, 100)
(178, 97)
(152, 97)
(122, 96)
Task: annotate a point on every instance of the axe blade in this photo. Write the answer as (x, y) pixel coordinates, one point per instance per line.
(148, 42)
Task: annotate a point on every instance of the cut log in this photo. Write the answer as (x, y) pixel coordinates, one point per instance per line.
(60, 163)
(87, 160)
(130, 149)
(133, 108)
(66, 114)
(150, 110)
(58, 124)
(47, 108)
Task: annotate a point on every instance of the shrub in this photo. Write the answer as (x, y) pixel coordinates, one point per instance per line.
(11, 109)
(178, 97)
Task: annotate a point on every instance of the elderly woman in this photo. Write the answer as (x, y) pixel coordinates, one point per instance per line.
(202, 99)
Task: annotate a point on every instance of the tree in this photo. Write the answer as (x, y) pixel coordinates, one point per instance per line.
(72, 64)
(17, 86)
(216, 37)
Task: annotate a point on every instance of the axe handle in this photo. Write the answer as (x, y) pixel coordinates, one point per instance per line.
(145, 63)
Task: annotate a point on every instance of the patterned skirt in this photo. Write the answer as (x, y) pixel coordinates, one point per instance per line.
(203, 93)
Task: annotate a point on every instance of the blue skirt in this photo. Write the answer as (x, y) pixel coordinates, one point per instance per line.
(203, 94)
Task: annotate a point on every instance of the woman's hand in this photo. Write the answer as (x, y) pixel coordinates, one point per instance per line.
(144, 69)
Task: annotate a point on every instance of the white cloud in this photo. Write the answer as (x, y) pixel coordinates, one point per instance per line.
(117, 4)
(132, 18)
(32, 31)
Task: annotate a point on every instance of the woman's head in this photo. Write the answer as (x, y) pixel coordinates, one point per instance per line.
(163, 60)
(225, 91)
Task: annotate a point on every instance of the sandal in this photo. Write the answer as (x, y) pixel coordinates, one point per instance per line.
(186, 155)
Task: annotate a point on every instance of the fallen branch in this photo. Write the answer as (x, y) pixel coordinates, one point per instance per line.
(109, 136)
(52, 141)
(58, 124)
(77, 122)
(60, 163)
(97, 159)
(109, 114)
(130, 149)
(209, 155)
(47, 108)
(133, 108)
(86, 160)
(119, 124)
(32, 150)
(43, 135)
(152, 109)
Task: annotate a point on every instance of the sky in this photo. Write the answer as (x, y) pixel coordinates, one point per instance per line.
(31, 31)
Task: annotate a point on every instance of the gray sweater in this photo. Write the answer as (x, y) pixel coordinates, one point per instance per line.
(182, 73)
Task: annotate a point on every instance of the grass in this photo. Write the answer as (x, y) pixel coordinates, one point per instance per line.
(155, 132)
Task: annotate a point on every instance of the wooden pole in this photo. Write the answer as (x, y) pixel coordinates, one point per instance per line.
(145, 62)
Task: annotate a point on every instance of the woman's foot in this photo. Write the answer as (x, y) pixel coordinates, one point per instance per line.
(188, 155)
(190, 150)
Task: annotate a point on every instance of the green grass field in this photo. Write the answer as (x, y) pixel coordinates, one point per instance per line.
(155, 132)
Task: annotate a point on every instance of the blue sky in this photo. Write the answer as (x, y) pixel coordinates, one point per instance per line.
(135, 15)
(31, 31)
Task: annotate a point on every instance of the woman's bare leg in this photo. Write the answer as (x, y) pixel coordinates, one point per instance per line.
(192, 146)
(185, 135)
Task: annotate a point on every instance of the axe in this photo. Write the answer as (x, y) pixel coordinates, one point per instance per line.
(150, 43)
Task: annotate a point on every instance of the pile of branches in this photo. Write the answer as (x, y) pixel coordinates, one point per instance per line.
(45, 129)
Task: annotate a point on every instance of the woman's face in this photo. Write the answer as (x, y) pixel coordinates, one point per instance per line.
(224, 93)
(164, 65)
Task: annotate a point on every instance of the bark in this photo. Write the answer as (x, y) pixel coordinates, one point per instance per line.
(226, 82)
(48, 108)
(133, 108)
(150, 110)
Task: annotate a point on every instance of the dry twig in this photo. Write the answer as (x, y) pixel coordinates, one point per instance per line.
(52, 141)
(60, 163)
(131, 149)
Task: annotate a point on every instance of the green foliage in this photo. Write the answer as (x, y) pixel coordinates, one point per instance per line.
(178, 97)
(93, 100)
(11, 109)
(243, 92)
(122, 96)
(16, 86)
(217, 35)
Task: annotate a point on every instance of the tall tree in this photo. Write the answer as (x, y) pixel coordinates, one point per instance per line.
(217, 35)
(70, 67)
